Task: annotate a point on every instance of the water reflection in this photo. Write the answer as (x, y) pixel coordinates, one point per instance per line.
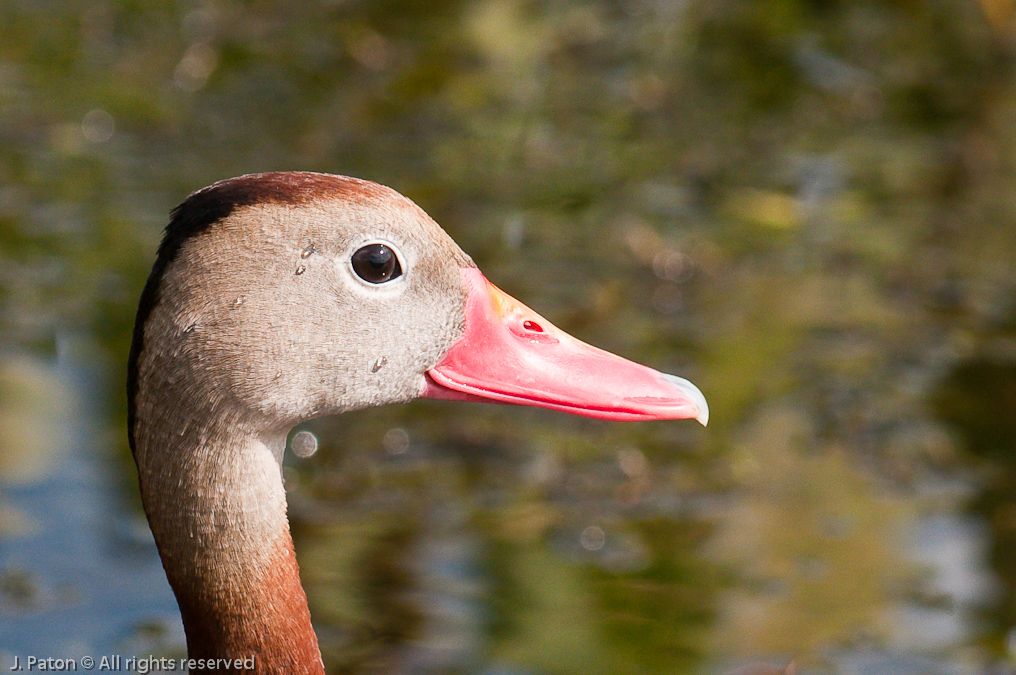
(806, 207)
(977, 399)
(79, 574)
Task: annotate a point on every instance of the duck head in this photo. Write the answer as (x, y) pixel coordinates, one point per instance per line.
(295, 295)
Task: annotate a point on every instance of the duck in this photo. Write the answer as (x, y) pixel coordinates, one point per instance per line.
(277, 298)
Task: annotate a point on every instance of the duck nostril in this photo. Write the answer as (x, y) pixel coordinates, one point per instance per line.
(529, 330)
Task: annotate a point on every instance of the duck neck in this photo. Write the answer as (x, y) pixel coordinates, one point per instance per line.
(214, 497)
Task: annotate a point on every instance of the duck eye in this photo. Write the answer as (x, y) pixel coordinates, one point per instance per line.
(376, 264)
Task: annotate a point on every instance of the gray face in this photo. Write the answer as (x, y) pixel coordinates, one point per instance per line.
(265, 311)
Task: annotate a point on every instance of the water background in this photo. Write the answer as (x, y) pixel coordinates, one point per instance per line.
(806, 208)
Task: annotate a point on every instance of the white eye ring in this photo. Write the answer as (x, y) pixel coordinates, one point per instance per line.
(377, 263)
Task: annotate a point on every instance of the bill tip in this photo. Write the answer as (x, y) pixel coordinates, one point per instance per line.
(693, 393)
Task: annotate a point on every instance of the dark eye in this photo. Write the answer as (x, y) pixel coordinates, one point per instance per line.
(376, 264)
